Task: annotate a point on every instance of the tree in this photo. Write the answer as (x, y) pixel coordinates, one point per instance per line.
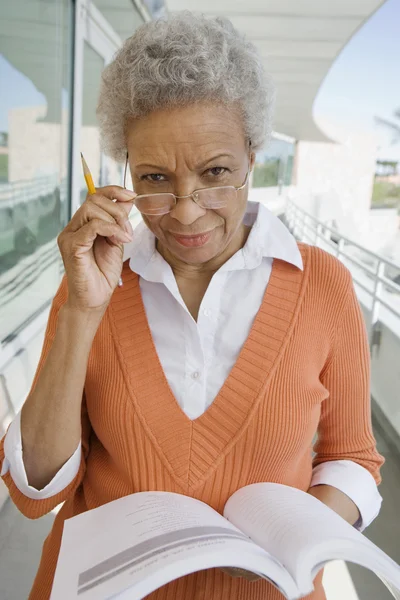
(394, 126)
(386, 167)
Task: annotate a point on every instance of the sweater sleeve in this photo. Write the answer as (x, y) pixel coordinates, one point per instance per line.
(34, 508)
(345, 428)
(14, 462)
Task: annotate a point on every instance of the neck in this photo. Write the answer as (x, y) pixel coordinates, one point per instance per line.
(205, 270)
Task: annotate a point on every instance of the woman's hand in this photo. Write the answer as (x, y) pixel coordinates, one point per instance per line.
(234, 572)
(91, 247)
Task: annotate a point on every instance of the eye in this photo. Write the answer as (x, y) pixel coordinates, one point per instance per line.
(153, 177)
(216, 171)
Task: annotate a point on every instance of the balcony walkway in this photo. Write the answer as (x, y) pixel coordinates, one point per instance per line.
(21, 541)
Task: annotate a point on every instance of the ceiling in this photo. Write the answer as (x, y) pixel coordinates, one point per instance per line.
(298, 40)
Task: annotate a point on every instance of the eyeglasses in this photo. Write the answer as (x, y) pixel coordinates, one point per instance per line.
(212, 198)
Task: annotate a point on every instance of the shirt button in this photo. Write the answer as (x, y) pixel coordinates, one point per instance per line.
(195, 375)
(206, 312)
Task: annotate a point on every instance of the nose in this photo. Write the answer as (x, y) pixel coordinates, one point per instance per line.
(186, 211)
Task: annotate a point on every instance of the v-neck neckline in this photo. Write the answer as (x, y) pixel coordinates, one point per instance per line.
(191, 449)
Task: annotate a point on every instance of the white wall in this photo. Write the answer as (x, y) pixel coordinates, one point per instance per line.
(335, 180)
(36, 148)
(384, 224)
(270, 197)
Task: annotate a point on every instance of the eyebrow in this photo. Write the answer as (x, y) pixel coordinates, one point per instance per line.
(202, 165)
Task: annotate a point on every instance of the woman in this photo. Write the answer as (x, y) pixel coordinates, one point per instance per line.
(227, 346)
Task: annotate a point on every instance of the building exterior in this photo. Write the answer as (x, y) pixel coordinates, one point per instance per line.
(52, 53)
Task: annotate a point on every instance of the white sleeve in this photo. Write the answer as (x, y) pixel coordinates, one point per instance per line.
(13, 462)
(356, 482)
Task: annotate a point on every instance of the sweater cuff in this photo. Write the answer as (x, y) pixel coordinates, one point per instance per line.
(356, 482)
(13, 462)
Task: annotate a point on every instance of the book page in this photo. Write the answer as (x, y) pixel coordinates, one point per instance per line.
(303, 533)
(145, 540)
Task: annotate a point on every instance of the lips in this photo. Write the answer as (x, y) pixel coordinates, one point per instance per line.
(192, 241)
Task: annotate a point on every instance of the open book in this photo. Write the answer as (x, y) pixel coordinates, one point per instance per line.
(130, 547)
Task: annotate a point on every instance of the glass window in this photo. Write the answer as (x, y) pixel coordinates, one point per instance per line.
(35, 47)
(274, 164)
(123, 18)
(104, 170)
(93, 64)
(156, 8)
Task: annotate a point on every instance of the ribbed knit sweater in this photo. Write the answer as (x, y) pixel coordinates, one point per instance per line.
(303, 368)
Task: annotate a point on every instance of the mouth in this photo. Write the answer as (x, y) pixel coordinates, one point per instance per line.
(192, 241)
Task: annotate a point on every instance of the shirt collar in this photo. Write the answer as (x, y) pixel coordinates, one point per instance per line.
(268, 237)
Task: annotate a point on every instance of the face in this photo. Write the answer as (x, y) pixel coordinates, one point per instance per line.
(183, 150)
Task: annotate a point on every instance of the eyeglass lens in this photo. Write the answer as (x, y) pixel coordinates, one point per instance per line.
(209, 198)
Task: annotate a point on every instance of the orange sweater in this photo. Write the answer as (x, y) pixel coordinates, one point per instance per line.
(304, 367)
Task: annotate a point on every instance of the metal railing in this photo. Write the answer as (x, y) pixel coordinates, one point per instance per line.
(15, 192)
(376, 276)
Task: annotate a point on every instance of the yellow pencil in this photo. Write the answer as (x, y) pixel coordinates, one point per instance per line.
(88, 177)
(90, 186)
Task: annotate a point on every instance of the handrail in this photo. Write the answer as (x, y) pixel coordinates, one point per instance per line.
(14, 193)
(343, 237)
(310, 229)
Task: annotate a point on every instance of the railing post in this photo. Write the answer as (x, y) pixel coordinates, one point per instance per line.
(318, 234)
(288, 214)
(303, 226)
(294, 221)
(340, 246)
(376, 296)
(327, 233)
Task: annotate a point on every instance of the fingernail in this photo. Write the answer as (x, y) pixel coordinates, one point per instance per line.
(128, 227)
(128, 194)
(125, 237)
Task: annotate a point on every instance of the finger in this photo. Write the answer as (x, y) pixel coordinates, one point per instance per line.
(84, 238)
(87, 212)
(117, 210)
(119, 194)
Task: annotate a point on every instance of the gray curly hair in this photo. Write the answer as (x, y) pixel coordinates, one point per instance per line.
(179, 61)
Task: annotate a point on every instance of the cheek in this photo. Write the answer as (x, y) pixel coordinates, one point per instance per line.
(154, 224)
(234, 216)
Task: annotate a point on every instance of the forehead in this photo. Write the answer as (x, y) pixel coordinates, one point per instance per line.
(195, 129)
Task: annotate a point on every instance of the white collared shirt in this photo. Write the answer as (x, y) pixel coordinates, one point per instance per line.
(204, 352)
(197, 356)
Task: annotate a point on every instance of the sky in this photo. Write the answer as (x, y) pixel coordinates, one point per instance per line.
(364, 81)
(20, 92)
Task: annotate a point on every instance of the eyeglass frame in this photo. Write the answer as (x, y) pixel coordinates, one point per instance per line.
(241, 187)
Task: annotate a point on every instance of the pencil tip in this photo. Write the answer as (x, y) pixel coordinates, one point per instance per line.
(84, 165)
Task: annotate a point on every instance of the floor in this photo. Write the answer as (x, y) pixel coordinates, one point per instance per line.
(385, 530)
(21, 541)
